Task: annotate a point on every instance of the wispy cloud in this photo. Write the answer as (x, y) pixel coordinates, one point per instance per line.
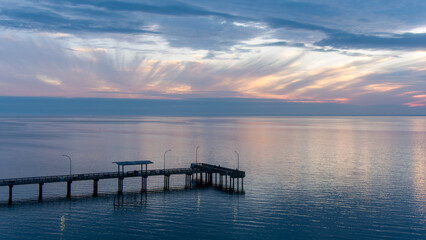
(383, 87)
(49, 80)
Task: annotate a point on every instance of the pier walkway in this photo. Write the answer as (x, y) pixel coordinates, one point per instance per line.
(201, 173)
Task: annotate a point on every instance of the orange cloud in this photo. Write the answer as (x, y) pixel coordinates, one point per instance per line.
(409, 93)
(414, 104)
(383, 87)
(418, 103)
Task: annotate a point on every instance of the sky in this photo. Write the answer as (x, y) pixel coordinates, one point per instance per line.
(363, 53)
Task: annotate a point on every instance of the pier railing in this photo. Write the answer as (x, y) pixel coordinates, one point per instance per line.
(204, 167)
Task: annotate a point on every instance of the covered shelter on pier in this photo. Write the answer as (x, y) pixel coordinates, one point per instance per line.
(131, 163)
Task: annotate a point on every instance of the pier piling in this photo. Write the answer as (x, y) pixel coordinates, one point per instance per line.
(166, 182)
(242, 184)
(40, 192)
(144, 183)
(95, 187)
(238, 184)
(69, 189)
(120, 185)
(188, 180)
(10, 195)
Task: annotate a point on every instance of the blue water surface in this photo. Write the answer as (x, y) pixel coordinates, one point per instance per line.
(306, 178)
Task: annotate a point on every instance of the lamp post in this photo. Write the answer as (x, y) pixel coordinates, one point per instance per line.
(196, 154)
(238, 160)
(165, 159)
(70, 162)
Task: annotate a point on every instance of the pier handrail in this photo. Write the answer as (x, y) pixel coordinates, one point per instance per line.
(91, 176)
(217, 168)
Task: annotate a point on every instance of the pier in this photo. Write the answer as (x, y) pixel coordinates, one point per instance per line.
(199, 174)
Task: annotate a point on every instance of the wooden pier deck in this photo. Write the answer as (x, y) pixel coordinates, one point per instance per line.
(202, 173)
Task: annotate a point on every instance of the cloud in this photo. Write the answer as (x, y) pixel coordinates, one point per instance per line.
(213, 27)
(52, 22)
(285, 23)
(278, 72)
(345, 40)
(412, 41)
(49, 80)
(383, 87)
(176, 9)
(88, 50)
(283, 43)
(352, 52)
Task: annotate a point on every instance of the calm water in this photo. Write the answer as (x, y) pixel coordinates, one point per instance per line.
(316, 178)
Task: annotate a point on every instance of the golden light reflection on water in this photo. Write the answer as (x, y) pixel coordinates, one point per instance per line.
(235, 214)
(419, 165)
(63, 223)
(198, 201)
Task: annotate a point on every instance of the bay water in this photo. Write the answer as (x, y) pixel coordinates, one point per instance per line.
(306, 177)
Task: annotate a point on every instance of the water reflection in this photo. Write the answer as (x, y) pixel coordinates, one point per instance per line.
(419, 164)
(62, 223)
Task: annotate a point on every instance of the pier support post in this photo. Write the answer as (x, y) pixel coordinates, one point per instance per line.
(226, 182)
(120, 185)
(144, 183)
(69, 189)
(208, 179)
(95, 187)
(233, 184)
(188, 181)
(242, 184)
(238, 184)
(10, 195)
(166, 182)
(40, 192)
